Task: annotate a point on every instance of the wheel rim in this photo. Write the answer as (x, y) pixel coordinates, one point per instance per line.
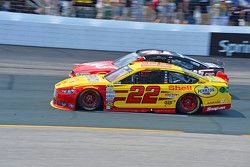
(90, 99)
(189, 103)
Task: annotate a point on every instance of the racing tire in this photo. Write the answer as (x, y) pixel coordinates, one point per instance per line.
(188, 104)
(89, 100)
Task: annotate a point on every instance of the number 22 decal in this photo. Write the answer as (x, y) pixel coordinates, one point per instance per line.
(136, 94)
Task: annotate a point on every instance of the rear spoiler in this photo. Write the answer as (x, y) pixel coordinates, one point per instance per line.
(218, 62)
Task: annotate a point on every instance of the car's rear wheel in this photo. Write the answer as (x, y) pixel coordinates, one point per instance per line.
(89, 100)
(188, 104)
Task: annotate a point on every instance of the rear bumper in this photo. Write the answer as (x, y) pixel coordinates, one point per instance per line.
(215, 108)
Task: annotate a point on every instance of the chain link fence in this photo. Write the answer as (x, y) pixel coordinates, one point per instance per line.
(202, 12)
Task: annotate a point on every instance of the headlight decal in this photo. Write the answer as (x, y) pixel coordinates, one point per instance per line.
(82, 74)
(67, 91)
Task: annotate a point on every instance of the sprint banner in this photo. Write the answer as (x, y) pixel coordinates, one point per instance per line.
(230, 44)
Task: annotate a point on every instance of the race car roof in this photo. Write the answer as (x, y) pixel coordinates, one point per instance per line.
(155, 52)
(155, 65)
(145, 52)
(148, 52)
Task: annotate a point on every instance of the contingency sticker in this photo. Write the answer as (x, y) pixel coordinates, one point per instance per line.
(110, 96)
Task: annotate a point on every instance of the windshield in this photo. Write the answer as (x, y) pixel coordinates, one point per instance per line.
(125, 60)
(195, 74)
(112, 76)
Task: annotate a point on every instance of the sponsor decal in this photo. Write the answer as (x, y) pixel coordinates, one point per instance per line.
(216, 108)
(82, 74)
(169, 102)
(92, 78)
(171, 95)
(198, 72)
(71, 105)
(109, 88)
(224, 89)
(155, 64)
(67, 91)
(175, 87)
(110, 96)
(61, 103)
(230, 44)
(206, 91)
(109, 104)
(209, 73)
(213, 102)
(109, 101)
(221, 101)
(71, 80)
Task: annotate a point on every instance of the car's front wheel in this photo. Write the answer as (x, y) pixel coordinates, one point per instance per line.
(89, 100)
(188, 104)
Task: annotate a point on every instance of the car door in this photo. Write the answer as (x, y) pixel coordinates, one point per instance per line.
(142, 90)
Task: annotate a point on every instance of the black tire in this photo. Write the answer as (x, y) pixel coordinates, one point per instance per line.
(188, 104)
(89, 100)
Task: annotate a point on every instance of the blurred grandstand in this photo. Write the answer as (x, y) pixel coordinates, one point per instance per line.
(203, 12)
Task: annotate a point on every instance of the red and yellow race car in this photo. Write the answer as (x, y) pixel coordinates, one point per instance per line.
(144, 87)
(102, 67)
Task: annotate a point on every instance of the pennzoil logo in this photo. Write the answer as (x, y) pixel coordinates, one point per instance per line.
(206, 91)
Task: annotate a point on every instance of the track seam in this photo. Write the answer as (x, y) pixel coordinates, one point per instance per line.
(11, 82)
(30, 68)
(88, 127)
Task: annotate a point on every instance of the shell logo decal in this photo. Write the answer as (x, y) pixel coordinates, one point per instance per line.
(206, 91)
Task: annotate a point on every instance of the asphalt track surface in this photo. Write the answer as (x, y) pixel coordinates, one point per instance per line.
(32, 133)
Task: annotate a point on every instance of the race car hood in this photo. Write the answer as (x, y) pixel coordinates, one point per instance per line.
(94, 67)
(82, 81)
